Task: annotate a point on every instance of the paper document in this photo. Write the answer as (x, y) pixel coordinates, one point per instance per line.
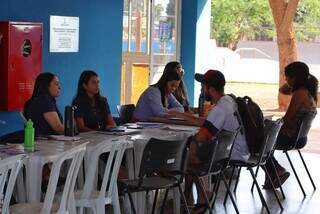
(64, 138)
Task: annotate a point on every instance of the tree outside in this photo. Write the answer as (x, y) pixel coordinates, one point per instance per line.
(283, 21)
(236, 20)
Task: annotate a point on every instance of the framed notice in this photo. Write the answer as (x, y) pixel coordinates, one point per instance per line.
(64, 34)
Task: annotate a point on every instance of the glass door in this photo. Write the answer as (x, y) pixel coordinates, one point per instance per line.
(150, 30)
(164, 42)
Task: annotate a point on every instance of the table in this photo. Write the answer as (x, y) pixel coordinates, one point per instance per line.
(171, 121)
(47, 151)
(138, 142)
(168, 132)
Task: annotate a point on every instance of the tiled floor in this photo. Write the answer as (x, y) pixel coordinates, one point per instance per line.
(249, 203)
(294, 202)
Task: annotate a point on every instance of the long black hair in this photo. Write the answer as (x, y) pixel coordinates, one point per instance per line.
(41, 88)
(171, 67)
(181, 92)
(84, 79)
(162, 84)
(82, 93)
(302, 78)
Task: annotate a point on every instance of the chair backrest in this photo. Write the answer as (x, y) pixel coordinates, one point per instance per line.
(75, 155)
(9, 169)
(126, 112)
(271, 131)
(23, 117)
(115, 151)
(225, 141)
(163, 156)
(305, 124)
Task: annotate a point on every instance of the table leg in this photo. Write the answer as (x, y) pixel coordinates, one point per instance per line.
(176, 198)
(33, 180)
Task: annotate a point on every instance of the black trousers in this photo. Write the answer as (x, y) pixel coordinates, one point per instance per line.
(284, 143)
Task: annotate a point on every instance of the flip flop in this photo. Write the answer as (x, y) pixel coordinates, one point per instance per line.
(276, 184)
(282, 179)
(199, 209)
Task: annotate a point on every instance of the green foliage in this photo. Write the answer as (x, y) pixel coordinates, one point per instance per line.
(235, 20)
(171, 8)
(307, 20)
(158, 9)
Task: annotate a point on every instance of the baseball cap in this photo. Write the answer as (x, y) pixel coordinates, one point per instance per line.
(212, 78)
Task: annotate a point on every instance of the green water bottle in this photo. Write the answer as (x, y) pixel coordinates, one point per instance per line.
(29, 135)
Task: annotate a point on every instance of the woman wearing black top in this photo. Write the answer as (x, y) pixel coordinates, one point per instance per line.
(41, 108)
(93, 112)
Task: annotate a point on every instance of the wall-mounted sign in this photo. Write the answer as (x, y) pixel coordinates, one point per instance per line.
(64, 34)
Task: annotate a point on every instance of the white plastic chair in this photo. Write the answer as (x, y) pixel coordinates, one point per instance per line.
(76, 155)
(9, 169)
(92, 197)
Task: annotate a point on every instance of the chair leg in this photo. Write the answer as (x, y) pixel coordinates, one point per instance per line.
(203, 192)
(230, 193)
(230, 182)
(183, 199)
(155, 201)
(237, 181)
(216, 190)
(164, 201)
(131, 203)
(255, 175)
(273, 188)
(100, 208)
(264, 203)
(278, 179)
(188, 189)
(305, 166)
(81, 210)
(295, 173)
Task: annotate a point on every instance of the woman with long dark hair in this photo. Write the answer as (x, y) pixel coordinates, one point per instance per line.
(158, 99)
(180, 93)
(41, 108)
(304, 89)
(93, 112)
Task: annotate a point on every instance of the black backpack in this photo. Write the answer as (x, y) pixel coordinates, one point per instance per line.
(251, 121)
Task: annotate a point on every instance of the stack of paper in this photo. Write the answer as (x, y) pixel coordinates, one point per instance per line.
(64, 138)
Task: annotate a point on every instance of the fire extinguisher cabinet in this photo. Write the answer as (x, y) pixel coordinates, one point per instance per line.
(20, 62)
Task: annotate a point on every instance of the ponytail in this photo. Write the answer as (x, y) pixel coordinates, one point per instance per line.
(312, 87)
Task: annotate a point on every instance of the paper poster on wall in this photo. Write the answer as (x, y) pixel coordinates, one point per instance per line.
(64, 34)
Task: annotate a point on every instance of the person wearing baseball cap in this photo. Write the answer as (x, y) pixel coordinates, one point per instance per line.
(221, 117)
